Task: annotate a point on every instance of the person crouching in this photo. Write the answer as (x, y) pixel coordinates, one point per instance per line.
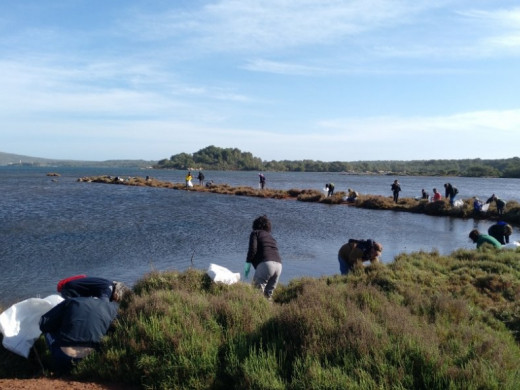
(355, 252)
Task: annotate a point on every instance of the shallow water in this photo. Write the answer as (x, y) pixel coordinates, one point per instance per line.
(54, 229)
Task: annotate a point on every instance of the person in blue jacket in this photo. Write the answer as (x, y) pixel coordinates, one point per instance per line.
(91, 286)
(74, 328)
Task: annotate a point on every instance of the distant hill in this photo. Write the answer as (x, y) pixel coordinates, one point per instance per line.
(18, 159)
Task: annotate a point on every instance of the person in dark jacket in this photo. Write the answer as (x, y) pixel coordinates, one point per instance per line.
(91, 286)
(498, 202)
(74, 328)
(450, 192)
(264, 256)
(501, 231)
(330, 189)
(262, 180)
(396, 188)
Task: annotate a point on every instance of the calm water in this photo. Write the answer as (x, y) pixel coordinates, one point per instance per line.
(53, 229)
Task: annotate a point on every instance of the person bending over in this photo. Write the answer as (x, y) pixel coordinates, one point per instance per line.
(355, 252)
(91, 286)
(74, 328)
(330, 189)
(501, 231)
(481, 239)
(264, 256)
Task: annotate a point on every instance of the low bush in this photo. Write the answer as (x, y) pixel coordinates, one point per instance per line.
(425, 321)
(310, 196)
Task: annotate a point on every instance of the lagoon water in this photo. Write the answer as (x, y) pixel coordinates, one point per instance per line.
(52, 229)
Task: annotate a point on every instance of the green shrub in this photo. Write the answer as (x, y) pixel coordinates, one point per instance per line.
(425, 321)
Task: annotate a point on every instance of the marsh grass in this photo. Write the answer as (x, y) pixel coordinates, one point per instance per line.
(425, 321)
(375, 202)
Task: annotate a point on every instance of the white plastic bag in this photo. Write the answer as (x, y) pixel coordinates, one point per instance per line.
(20, 324)
(458, 203)
(221, 274)
(512, 245)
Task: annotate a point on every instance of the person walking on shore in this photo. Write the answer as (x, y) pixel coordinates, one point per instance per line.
(355, 252)
(396, 188)
(201, 178)
(263, 255)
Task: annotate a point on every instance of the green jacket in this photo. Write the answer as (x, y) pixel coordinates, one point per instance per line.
(484, 238)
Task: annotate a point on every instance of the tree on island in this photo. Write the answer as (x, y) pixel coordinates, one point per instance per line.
(233, 159)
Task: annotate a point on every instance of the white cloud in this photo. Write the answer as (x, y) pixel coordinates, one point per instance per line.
(474, 124)
(236, 25)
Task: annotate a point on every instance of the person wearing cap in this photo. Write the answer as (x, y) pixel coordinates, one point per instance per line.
(355, 252)
(481, 239)
(91, 286)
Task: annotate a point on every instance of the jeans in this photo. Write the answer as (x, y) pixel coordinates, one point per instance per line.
(344, 267)
(62, 362)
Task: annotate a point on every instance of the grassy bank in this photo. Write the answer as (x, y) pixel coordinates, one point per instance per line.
(375, 202)
(424, 321)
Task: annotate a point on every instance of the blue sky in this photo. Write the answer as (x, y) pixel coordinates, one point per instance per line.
(323, 80)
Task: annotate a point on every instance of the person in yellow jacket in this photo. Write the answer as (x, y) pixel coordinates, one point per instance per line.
(188, 180)
(356, 252)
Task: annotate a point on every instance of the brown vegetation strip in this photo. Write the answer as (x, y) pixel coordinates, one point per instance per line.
(374, 202)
